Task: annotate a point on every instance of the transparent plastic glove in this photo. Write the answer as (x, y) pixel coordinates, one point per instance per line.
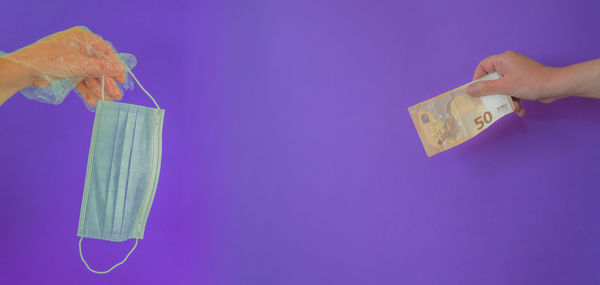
(73, 58)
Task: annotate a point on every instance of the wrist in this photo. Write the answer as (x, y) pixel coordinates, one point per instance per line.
(558, 83)
(13, 75)
(577, 80)
(12, 78)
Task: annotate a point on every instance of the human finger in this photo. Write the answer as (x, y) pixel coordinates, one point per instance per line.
(86, 94)
(121, 77)
(41, 83)
(94, 85)
(548, 100)
(488, 87)
(91, 43)
(103, 48)
(94, 67)
(113, 89)
(518, 107)
(486, 66)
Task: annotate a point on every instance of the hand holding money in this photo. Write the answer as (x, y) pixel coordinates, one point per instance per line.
(521, 77)
(458, 115)
(452, 118)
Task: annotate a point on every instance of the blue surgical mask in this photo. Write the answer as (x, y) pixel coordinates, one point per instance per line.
(122, 172)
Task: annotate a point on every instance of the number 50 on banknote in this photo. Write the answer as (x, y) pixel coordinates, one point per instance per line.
(450, 119)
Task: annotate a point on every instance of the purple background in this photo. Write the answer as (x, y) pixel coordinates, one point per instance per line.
(289, 155)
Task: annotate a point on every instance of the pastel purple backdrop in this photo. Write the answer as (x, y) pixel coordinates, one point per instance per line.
(289, 156)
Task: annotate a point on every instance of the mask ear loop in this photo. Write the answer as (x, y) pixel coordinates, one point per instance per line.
(143, 89)
(114, 266)
(138, 83)
(102, 87)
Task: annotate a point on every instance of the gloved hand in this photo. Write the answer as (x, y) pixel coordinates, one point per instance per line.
(75, 57)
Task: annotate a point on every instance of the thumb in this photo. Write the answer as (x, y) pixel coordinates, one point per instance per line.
(487, 87)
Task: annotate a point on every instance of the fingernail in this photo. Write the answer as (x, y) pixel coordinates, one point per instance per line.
(473, 89)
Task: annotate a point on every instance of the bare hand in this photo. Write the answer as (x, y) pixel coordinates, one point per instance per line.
(521, 78)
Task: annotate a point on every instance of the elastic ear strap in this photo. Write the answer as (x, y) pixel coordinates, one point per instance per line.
(143, 89)
(102, 88)
(114, 266)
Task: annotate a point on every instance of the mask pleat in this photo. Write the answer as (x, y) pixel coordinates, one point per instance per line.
(155, 155)
(104, 145)
(124, 175)
(138, 176)
(114, 176)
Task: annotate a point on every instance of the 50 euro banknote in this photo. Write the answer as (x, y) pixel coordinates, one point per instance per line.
(454, 117)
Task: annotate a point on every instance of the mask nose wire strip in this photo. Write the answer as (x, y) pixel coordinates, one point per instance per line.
(114, 266)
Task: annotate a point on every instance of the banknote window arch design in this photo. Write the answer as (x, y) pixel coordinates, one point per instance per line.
(444, 131)
(453, 117)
